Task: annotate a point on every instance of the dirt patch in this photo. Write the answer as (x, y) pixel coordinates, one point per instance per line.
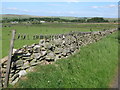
(114, 81)
(24, 78)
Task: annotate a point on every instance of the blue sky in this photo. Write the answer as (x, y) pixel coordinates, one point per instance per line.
(76, 9)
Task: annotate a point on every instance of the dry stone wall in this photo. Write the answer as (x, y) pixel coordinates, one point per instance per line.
(47, 51)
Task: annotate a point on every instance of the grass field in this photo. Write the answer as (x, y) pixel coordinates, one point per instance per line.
(46, 28)
(93, 67)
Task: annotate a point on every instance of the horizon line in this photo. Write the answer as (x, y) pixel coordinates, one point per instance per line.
(57, 16)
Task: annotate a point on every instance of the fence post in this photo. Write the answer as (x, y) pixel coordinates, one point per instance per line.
(0, 76)
(9, 59)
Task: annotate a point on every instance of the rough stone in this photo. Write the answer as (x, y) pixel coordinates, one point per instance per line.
(58, 50)
(57, 57)
(14, 50)
(15, 81)
(36, 46)
(33, 45)
(50, 56)
(48, 46)
(33, 62)
(22, 73)
(41, 41)
(26, 55)
(26, 65)
(19, 51)
(15, 76)
(43, 53)
(25, 46)
(19, 63)
(25, 58)
(37, 55)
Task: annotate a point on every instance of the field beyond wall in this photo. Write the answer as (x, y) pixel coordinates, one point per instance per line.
(45, 28)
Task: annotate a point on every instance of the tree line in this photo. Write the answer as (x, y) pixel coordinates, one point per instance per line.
(50, 19)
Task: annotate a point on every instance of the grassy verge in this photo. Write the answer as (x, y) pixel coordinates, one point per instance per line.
(92, 67)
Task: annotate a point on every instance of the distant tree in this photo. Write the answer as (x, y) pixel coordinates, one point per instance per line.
(96, 20)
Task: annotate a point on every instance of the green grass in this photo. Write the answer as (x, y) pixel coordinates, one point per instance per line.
(93, 67)
(47, 28)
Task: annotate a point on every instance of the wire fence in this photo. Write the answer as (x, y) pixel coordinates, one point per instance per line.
(24, 36)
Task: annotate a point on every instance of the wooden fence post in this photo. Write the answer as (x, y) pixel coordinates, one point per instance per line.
(0, 76)
(9, 59)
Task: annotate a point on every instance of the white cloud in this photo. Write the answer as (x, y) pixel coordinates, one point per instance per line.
(26, 10)
(108, 6)
(16, 9)
(12, 8)
(57, 4)
(95, 7)
(112, 6)
(72, 12)
(65, 12)
(72, 0)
